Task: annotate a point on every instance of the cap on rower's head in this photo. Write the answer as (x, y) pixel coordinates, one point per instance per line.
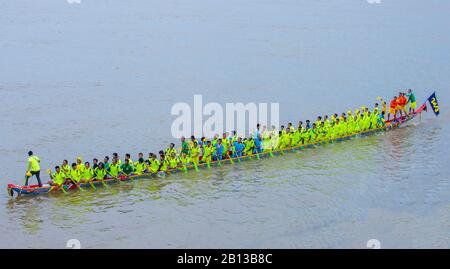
(56, 167)
(30, 153)
(74, 165)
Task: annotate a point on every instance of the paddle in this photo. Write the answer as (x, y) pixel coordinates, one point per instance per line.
(76, 184)
(195, 166)
(116, 178)
(60, 186)
(92, 185)
(103, 182)
(231, 159)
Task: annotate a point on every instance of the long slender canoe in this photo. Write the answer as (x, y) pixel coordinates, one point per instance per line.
(35, 189)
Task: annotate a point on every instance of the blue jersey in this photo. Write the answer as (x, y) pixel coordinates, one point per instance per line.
(219, 149)
(257, 139)
(238, 146)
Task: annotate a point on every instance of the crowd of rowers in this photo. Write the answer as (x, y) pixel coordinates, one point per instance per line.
(195, 152)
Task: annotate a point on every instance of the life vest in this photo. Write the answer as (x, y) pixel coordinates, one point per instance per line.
(59, 178)
(139, 168)
(100, 173)
(34, 161)
(114, 169)
(75, 175)
(88, 173)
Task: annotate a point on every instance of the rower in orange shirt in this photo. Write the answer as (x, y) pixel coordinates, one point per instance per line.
(402, 101)
(393, 108)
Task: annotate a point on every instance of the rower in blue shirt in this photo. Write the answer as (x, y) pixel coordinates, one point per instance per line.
(258, 139)
(238, 148)
(219, 150)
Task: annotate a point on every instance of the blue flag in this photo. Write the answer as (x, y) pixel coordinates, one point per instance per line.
(434, 103)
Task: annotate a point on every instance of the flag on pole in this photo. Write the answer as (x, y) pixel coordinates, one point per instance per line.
(434, 103)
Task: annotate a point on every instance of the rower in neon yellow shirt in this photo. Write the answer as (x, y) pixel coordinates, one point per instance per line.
(140, 155)
(88, 173)
(130, 161)
(171, 149)
(357, 120)
(65, 167)
(173, 160)
(225, 143)
(192, 141)
(207, 152)
(296, 137)
(351, 125)
(100, 172)
(80, 166)
(215, 140)
(154, 164)
(114, 168)
(249, 145)
(58, 178)
(164, 163)
(140, 167)
(195, 153)
(75, 174)
(185, 159)
(116, 156)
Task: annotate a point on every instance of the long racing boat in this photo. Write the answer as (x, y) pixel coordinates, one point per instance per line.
(46, 188)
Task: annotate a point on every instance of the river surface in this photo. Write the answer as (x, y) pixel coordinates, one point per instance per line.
(101, 76)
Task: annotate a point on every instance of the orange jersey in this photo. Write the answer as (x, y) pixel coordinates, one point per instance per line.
(393, 103)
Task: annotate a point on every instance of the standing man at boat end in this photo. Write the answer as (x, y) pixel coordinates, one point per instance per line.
(411, 101)
(33, 169)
